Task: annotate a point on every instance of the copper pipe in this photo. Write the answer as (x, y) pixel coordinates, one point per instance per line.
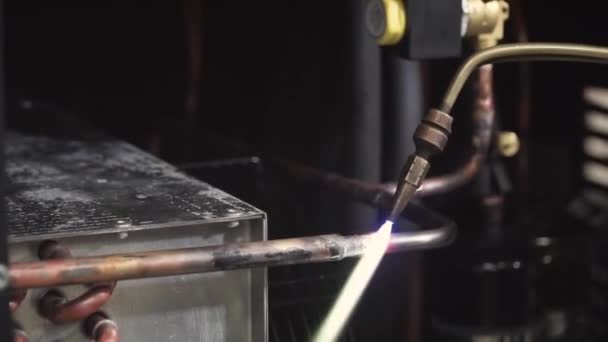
(16, 298)
(321, 248)
(483, 120)
(101, 328)
(55, 307)
(20, 336)
(107, 333)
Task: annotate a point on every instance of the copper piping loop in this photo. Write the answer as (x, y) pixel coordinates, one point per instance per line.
(214, 258)
(55, 307)
(483, 119)
(101, 328)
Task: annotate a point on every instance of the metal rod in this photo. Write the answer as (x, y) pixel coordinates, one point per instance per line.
(214, 258)
(521, 52)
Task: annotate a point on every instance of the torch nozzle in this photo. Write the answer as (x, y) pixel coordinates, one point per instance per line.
(413, 174)
(402, 197)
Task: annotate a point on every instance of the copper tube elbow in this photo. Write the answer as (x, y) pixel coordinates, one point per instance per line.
(55, 307)
(101, 328)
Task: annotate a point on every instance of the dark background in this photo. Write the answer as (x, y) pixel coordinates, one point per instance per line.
(273, 73)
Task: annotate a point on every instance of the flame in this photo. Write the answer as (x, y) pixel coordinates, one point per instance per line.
(355, 285)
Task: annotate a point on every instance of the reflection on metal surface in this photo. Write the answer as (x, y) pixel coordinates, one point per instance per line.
(355, 285)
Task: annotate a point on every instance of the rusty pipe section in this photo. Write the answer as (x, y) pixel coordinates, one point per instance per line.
(483, 122)
(214, 258)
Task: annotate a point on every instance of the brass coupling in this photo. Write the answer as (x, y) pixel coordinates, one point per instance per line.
(432, 133)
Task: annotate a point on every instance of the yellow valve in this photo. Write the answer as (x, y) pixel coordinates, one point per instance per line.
(508, 144)
(385, 20)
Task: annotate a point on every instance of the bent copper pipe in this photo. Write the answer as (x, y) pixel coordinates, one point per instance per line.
(101, 328)
(483, 119)
(55, 307)
(321, 248)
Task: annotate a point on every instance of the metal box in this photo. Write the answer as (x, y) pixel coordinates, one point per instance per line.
(106, 197)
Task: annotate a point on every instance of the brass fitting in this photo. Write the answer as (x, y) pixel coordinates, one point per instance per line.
(385, 20)
(508, 144)
(485, 21)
